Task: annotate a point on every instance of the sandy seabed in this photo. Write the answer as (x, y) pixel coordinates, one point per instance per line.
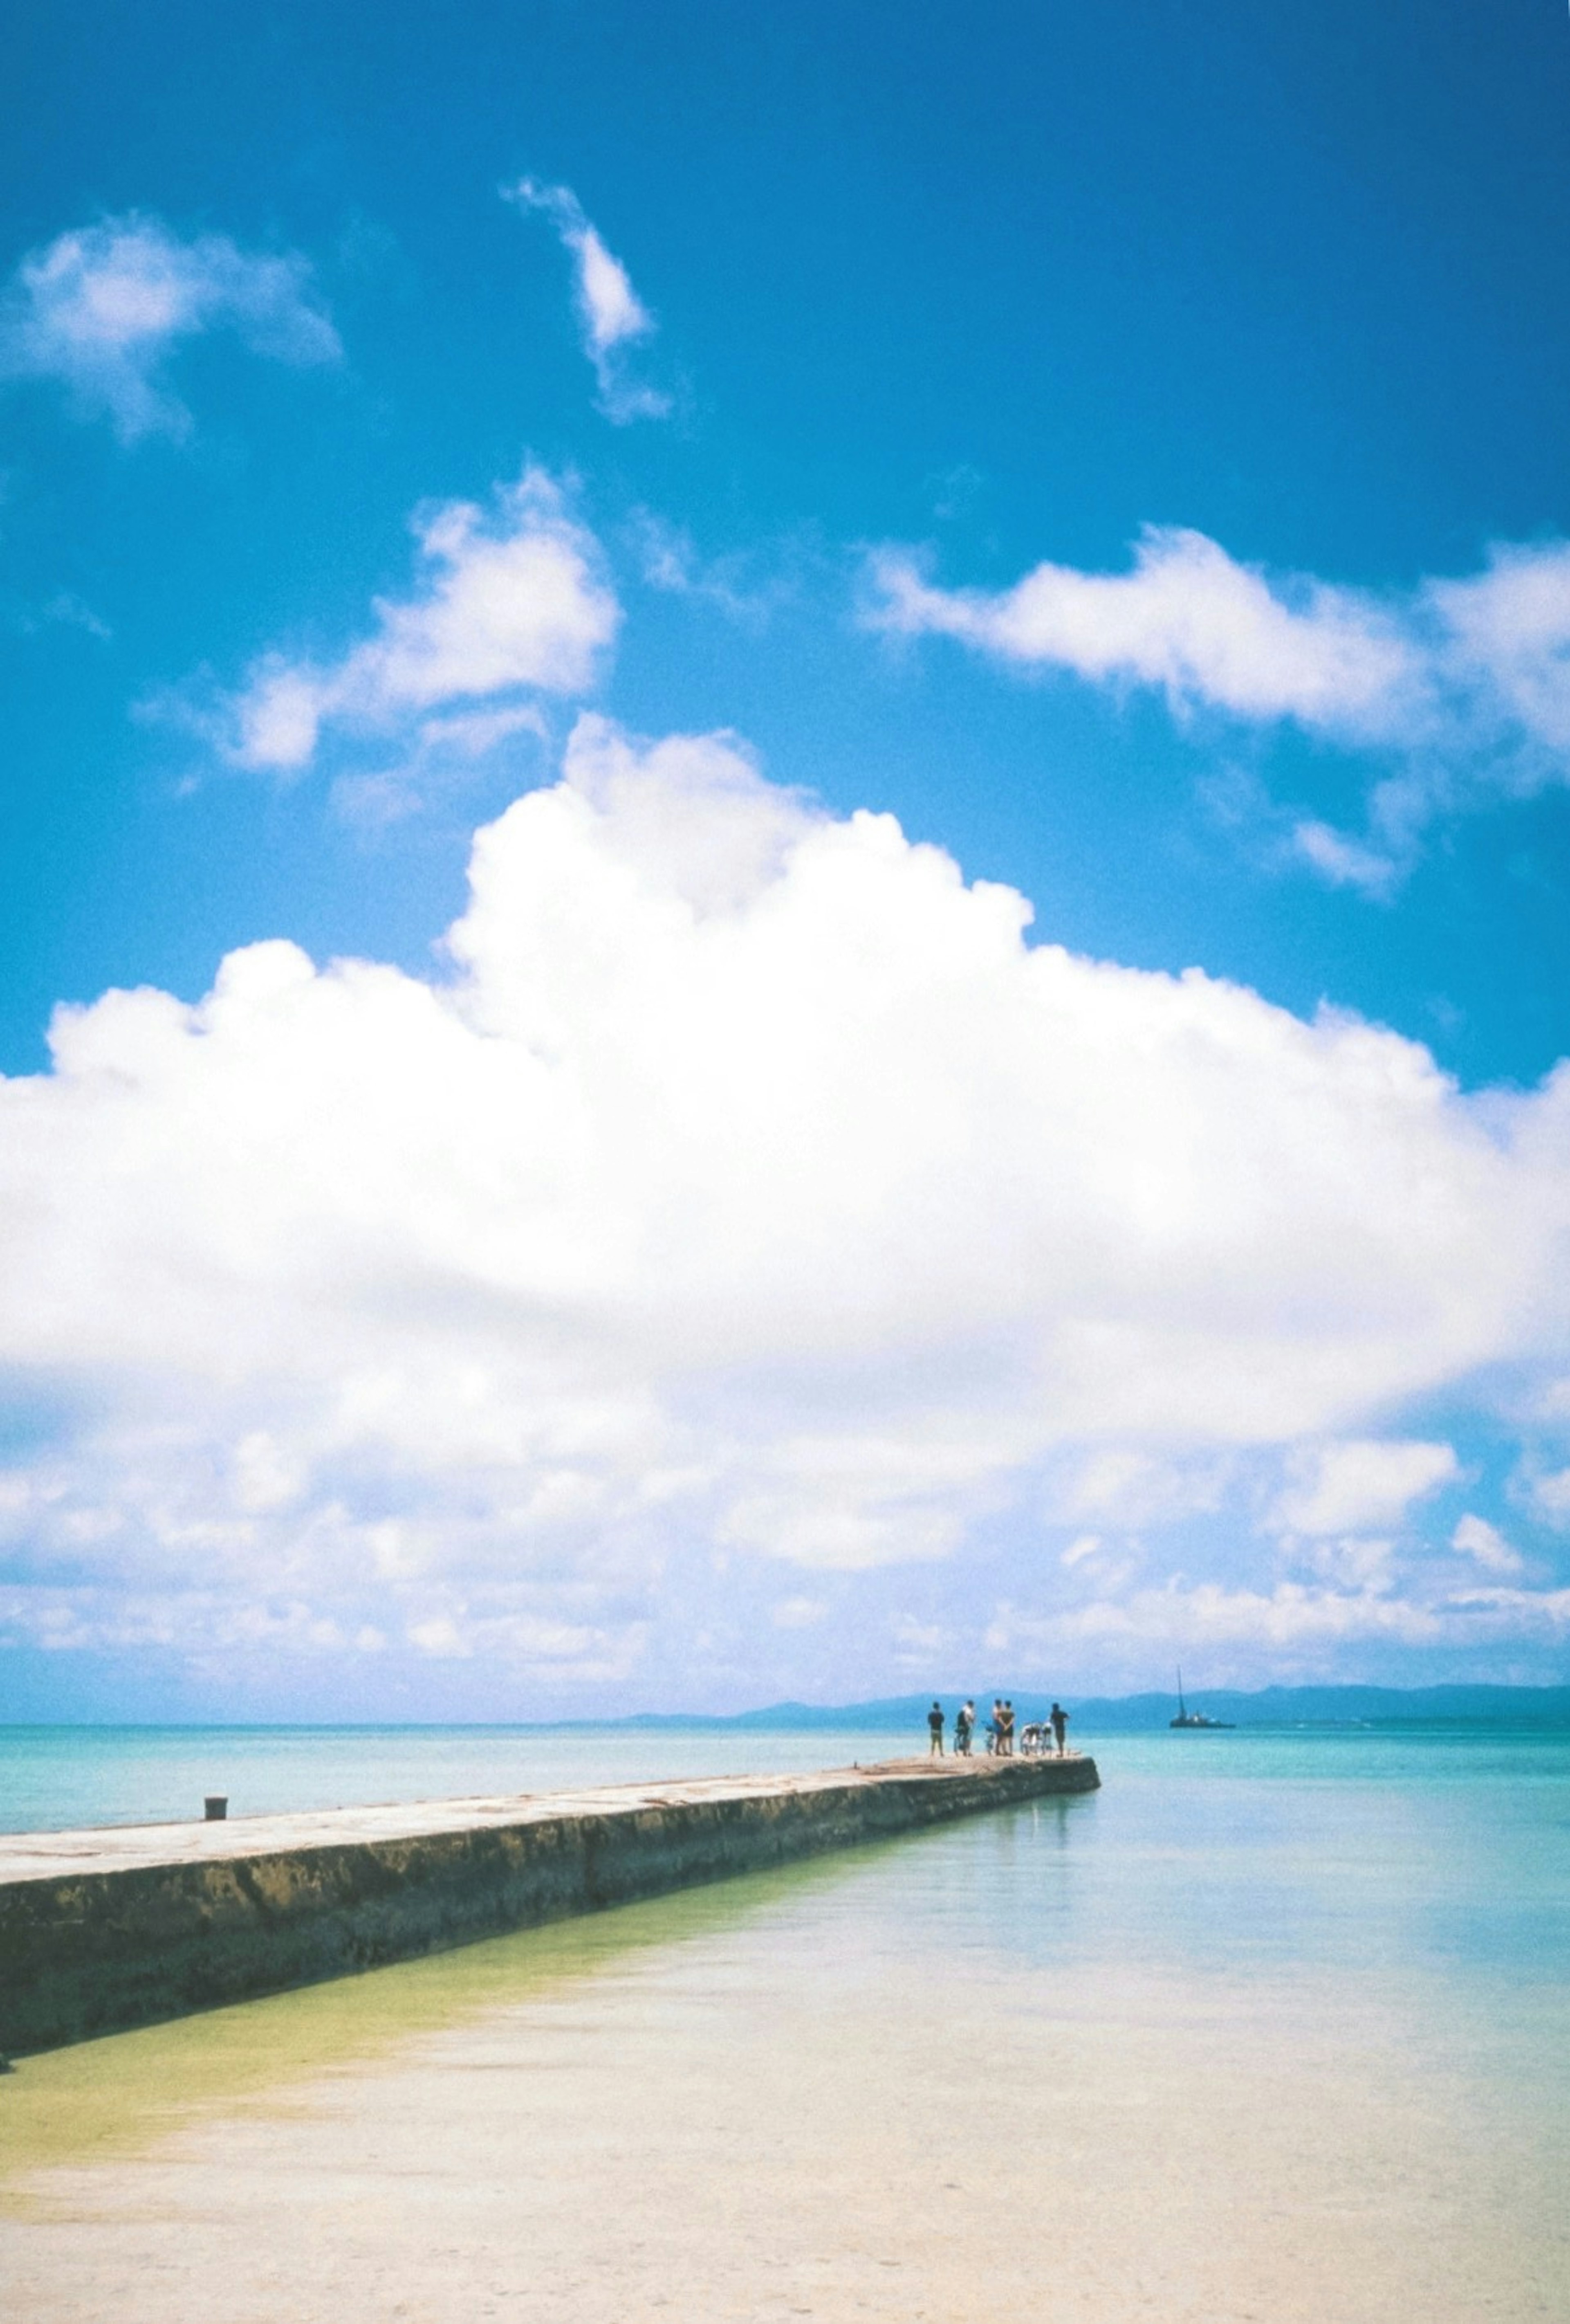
(771, 2100)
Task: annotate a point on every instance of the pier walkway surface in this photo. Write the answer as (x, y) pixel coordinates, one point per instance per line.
(101, 1929)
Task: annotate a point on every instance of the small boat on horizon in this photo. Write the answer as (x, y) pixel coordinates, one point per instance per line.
(1187, 1718)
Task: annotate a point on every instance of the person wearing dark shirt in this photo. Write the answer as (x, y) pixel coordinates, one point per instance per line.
(1059, 1722)
(935, 1730)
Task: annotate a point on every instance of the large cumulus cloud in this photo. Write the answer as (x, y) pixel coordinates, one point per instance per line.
(746, 1188)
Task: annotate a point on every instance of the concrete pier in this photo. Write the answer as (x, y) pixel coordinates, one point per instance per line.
(107, 1929)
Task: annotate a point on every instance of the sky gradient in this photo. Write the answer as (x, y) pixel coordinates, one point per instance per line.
(785, 853)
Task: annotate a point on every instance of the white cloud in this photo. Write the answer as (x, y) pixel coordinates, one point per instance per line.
(103, 306)
(670, 560)
(475, 734)
(1359, 1561)
(1187, 619)
(1296, 1631)
(1362, 1485)
(1549, 1497)
(745, 1183)
(437, 760)
(70, 611)
(1507, 630)
(610, 314)
(1345, 863)
(1127, 1485)
(1083, 1545)
(1464, 682)
(1290, 1616)
(1308, 1620)
(1474, 1537)
(916, 1643)
(797, 1613)
(510, 599)
(439, 1635)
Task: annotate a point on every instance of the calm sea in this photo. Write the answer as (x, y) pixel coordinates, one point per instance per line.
(1277, 2024)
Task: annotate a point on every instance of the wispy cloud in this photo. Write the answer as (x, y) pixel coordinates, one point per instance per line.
(1296, 1619)
(1342, 861)
(510, 599)
(102, 306)
(1187, 619)
(1360, 1485)
(1460, 689)
(612, 316)
(1474, 1537)
(740, 584)
(1508, 629)
(65, 610)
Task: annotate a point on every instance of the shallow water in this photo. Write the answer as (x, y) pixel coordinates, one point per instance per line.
(59, 1778)
(1273, 2027)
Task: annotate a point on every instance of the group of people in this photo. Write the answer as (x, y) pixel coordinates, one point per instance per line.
(1035, 1739)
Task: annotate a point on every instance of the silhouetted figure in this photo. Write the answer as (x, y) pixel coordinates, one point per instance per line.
(1007, 1745)
(935, 1730)
(1059, 1721)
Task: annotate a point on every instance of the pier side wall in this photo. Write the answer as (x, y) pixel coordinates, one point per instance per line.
(96, 1953)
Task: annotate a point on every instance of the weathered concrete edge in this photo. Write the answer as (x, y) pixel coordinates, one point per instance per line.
(96, 1953)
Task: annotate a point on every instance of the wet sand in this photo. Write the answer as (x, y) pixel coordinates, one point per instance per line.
(769, 2100)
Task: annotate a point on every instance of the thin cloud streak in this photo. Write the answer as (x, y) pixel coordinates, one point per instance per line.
(612, 316)
(100, 309)
(1187, 619)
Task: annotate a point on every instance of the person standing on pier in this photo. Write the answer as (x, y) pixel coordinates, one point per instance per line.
(964, 1723)
(935, 1730)
(1058, 1718)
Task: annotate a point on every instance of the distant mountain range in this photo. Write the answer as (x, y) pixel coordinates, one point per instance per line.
(1516, 1707)
(1270, 1706)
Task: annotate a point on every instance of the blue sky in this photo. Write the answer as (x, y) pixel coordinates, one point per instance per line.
(1125, 449)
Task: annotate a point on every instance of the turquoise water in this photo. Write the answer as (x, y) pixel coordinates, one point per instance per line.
(55, 1778)
(1244, 1853)
(1275, 2026)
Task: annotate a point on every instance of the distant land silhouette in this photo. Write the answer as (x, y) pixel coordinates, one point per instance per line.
(1270, 1706)
(1098, 1714)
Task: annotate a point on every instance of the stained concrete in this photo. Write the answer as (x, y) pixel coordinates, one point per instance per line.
(103, 1929)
